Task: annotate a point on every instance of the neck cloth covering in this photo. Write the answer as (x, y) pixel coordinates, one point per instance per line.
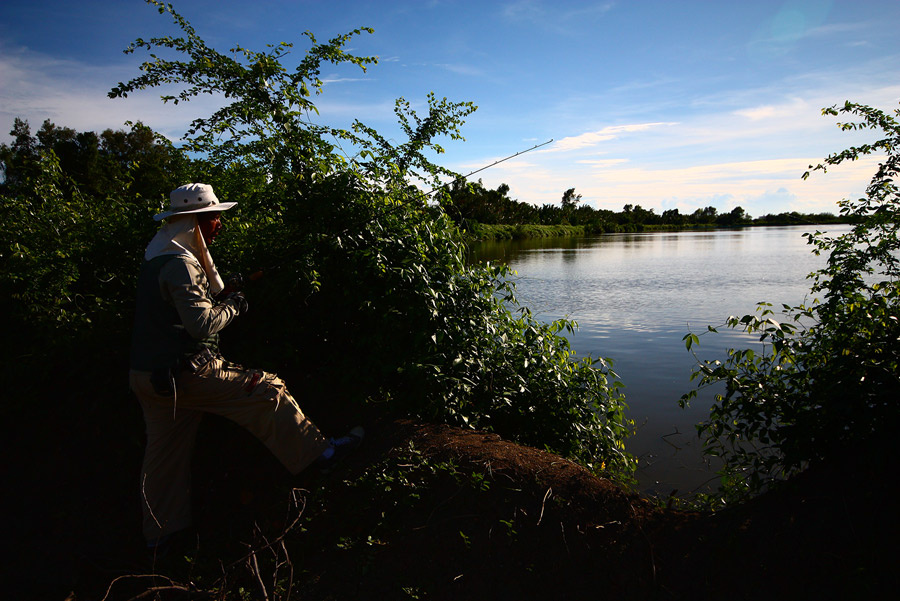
(180, 235)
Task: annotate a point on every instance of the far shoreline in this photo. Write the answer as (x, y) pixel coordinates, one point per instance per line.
(482, 232)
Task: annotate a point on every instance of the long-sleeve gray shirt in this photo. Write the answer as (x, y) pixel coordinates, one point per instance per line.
(183, 283)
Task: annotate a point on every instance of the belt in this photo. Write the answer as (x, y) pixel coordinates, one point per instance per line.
(195, 362)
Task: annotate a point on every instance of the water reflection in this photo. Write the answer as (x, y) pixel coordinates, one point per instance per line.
(635, 296)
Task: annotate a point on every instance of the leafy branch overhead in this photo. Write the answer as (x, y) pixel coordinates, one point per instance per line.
(268, 120)
(269, 107)
(381, 160)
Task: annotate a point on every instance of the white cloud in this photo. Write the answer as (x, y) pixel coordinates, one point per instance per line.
(338, 79)
(602, 163)
(460, 69)
(760, 187)
(758, 113)
(593, 138)
(73, 94)
(724, 151)
(554, 15)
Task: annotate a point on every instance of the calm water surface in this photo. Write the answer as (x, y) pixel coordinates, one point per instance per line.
(635, 296)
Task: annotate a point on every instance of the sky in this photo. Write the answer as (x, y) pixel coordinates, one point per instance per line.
(663, 104)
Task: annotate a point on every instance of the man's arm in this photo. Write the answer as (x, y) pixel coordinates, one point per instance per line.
(184, 284)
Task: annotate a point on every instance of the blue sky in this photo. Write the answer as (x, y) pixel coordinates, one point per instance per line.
(664, 104)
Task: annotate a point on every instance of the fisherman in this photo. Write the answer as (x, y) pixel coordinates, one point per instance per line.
(177, 372)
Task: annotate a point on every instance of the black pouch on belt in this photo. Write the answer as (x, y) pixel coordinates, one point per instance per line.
(163, 381)
(193, 364)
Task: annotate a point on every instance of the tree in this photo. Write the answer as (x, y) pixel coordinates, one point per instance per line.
(154, 164)
(471, 201)
(828, 377)
(644, 216)
(570, 199)
(705, 215)
(17, 160)
(140, 160)
(734, 217)
(673, 217)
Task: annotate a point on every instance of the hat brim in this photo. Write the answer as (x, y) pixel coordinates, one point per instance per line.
(216, 208)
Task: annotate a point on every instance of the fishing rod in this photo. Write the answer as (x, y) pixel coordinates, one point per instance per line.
(512, 156)
(238, 281)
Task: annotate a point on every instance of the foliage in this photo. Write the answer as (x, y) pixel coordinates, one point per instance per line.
(471, 202)
(267, 118)
(365, 274)
(398, 483)
(484, 232)
(828, 376)
(570, 199)
(73, 223)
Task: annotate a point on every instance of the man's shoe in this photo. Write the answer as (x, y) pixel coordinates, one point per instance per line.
(339, 449)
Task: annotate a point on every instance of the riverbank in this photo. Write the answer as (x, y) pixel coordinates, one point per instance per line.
(421, 511)
(481, 232)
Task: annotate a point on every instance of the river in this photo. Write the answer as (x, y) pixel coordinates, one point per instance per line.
(635, 296)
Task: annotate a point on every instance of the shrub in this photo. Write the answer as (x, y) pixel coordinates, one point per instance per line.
(369, 282)
(826, 380)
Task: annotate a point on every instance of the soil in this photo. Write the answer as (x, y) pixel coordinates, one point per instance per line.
(455, 514)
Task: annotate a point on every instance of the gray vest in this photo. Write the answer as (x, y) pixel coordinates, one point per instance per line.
(159, 339)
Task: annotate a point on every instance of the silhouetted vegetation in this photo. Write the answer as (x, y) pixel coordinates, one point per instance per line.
(367, 290)
(369, 296)
(479, 210)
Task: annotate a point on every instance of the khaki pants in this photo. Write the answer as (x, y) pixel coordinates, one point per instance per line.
(256, 400)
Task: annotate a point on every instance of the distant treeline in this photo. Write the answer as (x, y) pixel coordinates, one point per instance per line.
(473, 205)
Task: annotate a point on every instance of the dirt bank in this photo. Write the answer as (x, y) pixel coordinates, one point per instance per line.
(422, 511)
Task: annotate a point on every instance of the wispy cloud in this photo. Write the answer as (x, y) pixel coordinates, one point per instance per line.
(461, 69)
(337, 79)
(74, 94)
(797, 23)
(593, 138)
(556, 18)
(758, 186)
(769, 112)
(602, 163)
(542, 13)
(752, 156)
(330, 109)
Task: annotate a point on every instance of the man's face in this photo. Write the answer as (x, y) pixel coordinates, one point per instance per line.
(210, 225)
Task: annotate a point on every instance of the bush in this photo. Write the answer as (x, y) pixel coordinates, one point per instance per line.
(69, 252)
(826, 380)
(366, 284)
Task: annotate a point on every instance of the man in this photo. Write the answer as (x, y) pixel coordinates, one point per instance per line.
(178, 374)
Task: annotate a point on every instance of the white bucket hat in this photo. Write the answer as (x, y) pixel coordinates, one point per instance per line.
(193, 198)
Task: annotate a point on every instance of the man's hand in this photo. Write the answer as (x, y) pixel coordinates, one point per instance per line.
(234, 283)
(238, 301)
